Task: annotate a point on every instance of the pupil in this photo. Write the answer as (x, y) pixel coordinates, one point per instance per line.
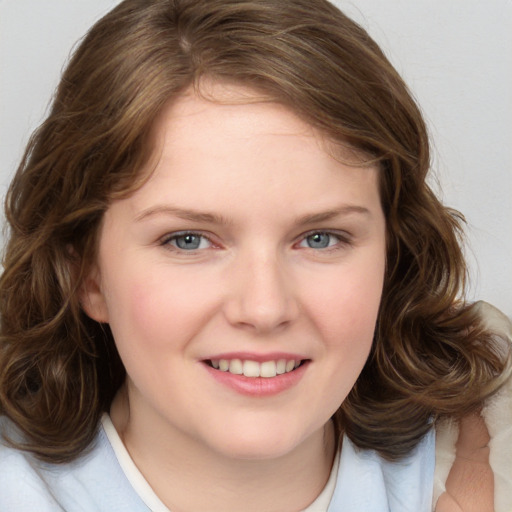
(318, 241)
(188, 242)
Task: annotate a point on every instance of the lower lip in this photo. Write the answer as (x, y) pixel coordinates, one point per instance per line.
(259, 386)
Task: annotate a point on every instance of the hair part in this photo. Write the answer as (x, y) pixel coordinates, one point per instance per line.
(59, 370)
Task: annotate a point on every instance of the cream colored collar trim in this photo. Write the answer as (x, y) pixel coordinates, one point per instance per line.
(151, 500)
(134, 476)
(321, 504)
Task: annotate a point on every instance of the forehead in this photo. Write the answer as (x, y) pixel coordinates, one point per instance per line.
(226, 112)
(199, 108)
(230, 139)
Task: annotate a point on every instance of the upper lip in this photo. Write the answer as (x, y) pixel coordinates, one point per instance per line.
(260, 358)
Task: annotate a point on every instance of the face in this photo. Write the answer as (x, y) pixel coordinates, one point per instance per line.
(242, 281)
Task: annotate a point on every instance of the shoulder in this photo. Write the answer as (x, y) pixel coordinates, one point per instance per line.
(94, 481)
(21, 486)
(400, 485)
(473, 455)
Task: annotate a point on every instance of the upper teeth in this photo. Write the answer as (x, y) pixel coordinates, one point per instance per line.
(255, 369)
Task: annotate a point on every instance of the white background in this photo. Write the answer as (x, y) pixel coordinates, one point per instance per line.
(456, 55)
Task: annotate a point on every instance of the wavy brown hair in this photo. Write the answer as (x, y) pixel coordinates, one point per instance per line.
(59, 370)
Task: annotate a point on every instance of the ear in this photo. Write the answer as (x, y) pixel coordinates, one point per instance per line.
(92, 298)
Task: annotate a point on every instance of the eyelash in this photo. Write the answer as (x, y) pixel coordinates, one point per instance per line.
(343, 241)
(167, 240)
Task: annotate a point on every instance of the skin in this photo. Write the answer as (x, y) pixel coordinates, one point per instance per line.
(470, 483)
(256, 184)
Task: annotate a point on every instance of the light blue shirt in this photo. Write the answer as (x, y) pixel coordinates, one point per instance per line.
(95, 482)
(368, 483)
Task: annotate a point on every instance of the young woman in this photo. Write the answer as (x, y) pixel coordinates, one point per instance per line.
(228, 285)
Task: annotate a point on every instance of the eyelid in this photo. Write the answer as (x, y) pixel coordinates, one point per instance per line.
(165, 240)
(339, 233)
(344, 237)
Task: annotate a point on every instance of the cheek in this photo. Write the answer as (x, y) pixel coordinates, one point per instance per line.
(346, 310)
(151, 321)
(159, 309)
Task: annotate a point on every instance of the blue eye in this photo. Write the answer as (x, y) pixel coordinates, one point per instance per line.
(320, 240)
(187, 241)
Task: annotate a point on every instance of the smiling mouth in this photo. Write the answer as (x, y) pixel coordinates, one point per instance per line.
(248, 368)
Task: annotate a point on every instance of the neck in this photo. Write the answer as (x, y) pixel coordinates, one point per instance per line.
(187, 476)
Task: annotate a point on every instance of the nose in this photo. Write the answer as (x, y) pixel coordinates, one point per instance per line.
(262, 298)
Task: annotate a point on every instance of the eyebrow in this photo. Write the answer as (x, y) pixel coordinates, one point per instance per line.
(213, 218)
(192, 215)
(331, 214)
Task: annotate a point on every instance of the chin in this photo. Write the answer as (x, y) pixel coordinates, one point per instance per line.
(262, 443)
